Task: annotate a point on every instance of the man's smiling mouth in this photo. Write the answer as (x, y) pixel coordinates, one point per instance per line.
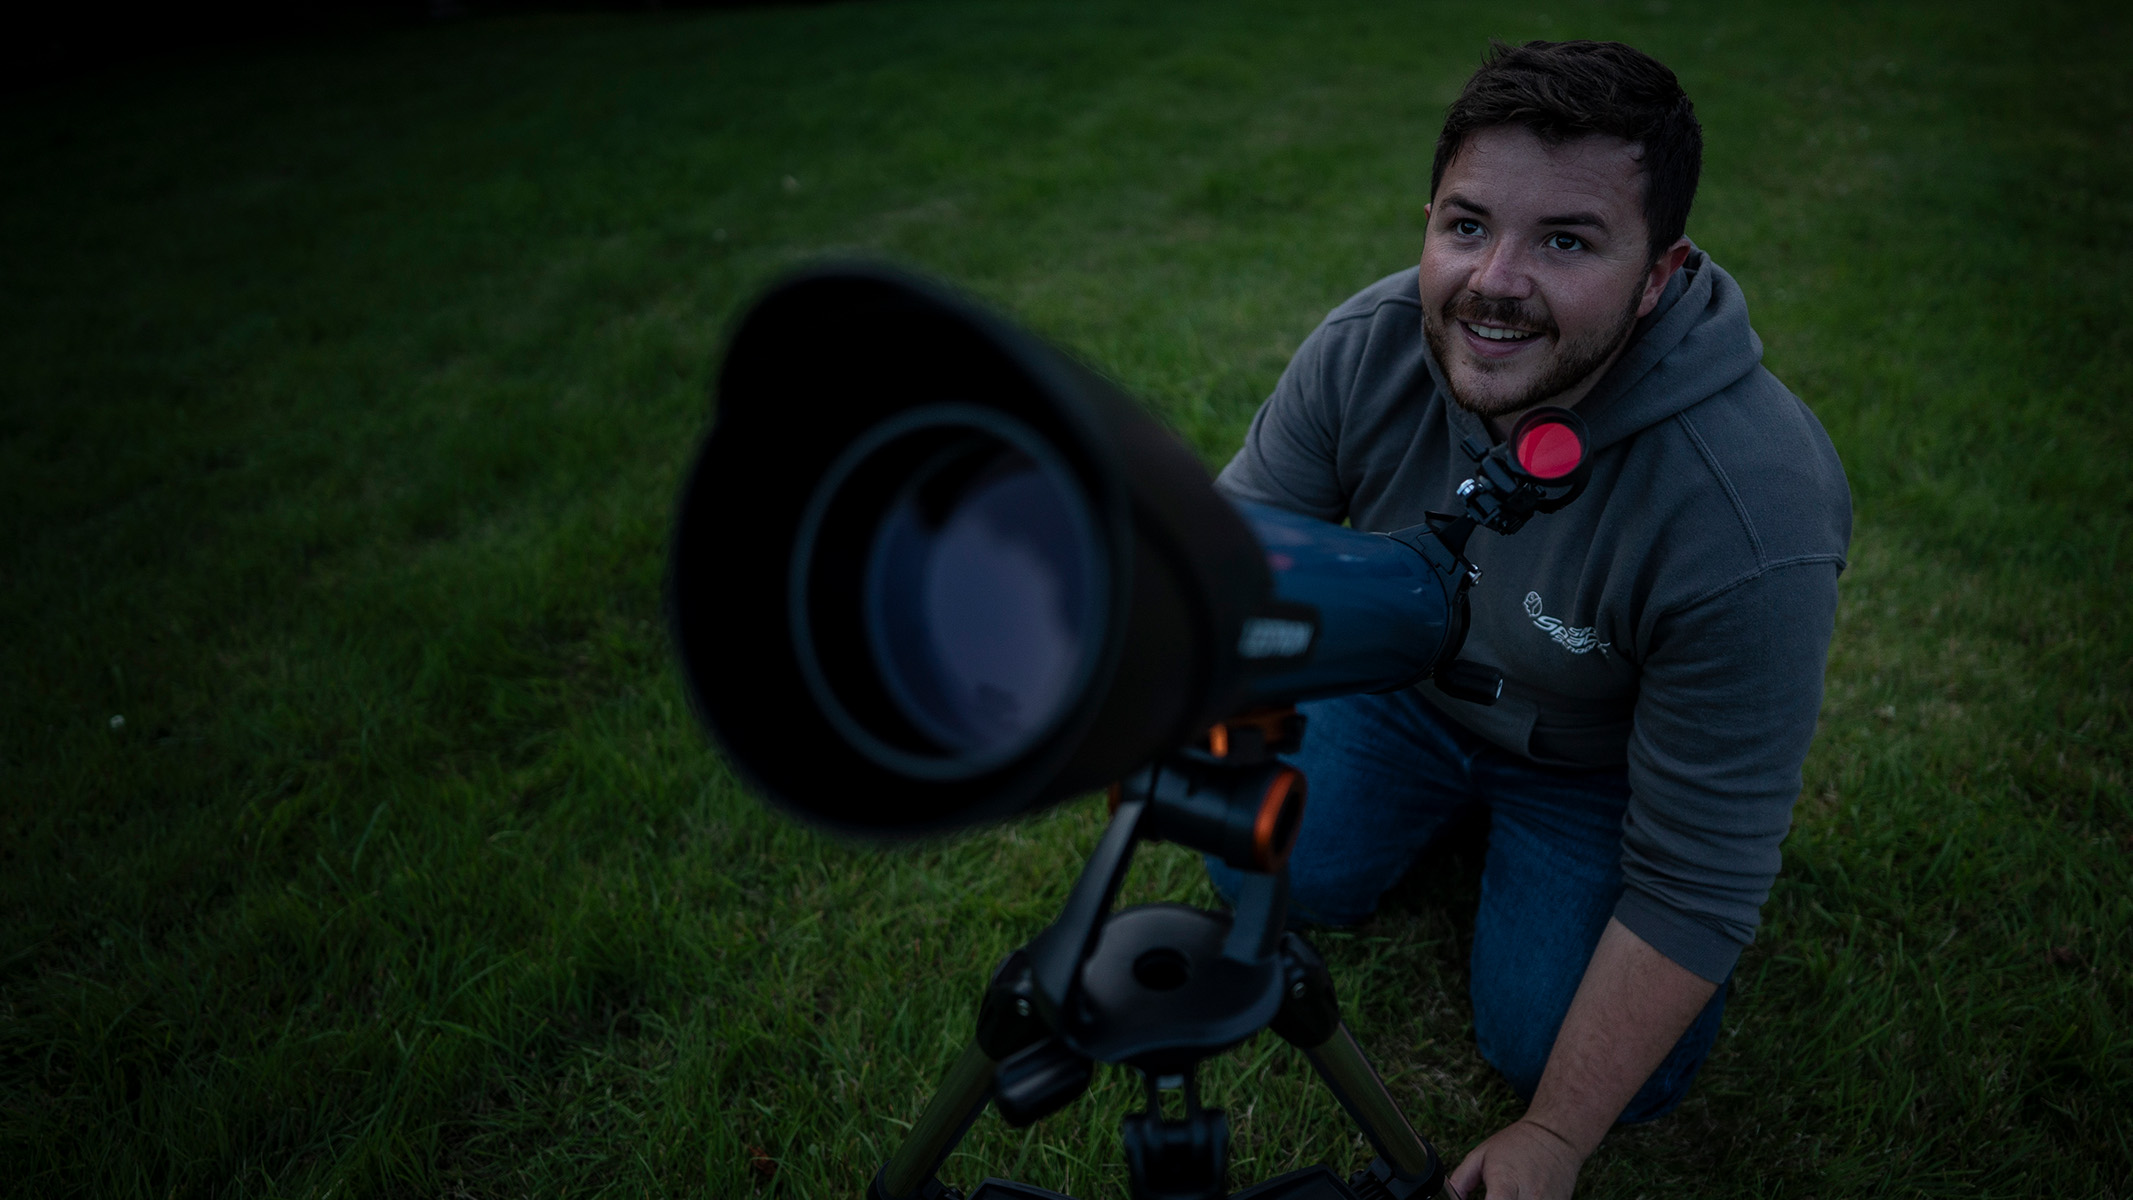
(1498, 333)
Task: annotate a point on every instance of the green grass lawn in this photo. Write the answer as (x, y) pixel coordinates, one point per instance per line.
(345, 390)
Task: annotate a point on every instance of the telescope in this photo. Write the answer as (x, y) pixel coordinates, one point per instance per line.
(929, 572)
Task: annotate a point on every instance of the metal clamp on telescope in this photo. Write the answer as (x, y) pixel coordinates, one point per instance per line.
(928, 572)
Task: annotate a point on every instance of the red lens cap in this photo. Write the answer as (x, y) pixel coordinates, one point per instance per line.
(1550, 449)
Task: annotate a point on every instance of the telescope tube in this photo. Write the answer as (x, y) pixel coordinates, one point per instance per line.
(928, 572)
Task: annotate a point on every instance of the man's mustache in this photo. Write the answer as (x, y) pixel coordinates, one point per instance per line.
(1483, 310)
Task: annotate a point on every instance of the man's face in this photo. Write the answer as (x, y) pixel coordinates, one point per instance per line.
(1535, 267)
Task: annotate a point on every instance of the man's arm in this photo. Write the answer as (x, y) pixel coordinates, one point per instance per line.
(1726, 705)
(1290, 453)
(1631, 1007)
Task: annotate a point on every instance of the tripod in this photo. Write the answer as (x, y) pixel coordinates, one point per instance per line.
(1161, 987)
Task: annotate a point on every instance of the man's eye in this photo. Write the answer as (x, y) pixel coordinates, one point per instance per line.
(1467, 227)
(1563, 241)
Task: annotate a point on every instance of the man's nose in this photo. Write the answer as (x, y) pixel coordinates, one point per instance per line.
(1502, 273)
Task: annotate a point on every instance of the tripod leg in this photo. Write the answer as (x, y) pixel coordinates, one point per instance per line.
(1310, 1020)
(947, 1118)
(1356, 1085)
(1007, 1024)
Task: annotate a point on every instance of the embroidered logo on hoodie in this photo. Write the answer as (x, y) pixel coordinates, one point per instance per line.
(1577, 641)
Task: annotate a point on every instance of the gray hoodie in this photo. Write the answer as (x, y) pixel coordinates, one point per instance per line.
(1674, 619)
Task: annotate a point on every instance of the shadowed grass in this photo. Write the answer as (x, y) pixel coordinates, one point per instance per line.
(344, 391)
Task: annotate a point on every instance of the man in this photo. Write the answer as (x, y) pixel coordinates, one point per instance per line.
(1662, 639)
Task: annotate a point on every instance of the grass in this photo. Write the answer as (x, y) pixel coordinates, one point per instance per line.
(345, 388)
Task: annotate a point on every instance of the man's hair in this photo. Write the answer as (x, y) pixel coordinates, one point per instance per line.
(1565, 90)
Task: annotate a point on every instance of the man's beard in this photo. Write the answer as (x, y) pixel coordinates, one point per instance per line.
(1574, 361)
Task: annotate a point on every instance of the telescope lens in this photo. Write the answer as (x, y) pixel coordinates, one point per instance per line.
(980, 598)
(950, 592)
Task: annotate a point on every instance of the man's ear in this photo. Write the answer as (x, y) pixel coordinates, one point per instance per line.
(1661, 272)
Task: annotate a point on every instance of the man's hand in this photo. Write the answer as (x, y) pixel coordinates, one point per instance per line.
(1521, 1162)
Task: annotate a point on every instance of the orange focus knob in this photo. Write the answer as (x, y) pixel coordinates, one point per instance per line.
(1280, 815)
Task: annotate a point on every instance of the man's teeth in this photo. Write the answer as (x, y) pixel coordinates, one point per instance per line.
(1495, 334)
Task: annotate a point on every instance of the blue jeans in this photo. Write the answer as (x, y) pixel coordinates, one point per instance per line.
(1386, 775)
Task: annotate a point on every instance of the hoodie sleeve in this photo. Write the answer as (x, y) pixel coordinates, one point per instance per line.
(1724, 714)
(1289, 456)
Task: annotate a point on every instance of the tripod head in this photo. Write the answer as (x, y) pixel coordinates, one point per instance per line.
(1162, 987)
(1190, 995)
